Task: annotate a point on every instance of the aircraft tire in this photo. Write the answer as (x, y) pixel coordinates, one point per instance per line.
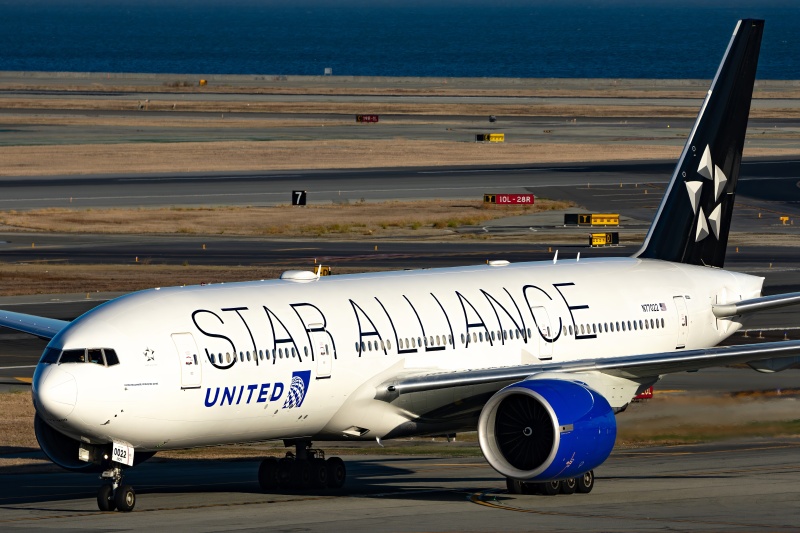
(268, 474)
(585, 482)
(125, 498)
(337, 472)
(551, 488)
(569, 486)
(301, 474)
(515, 486)
(319, 474)
(285, 472)
(105, 498)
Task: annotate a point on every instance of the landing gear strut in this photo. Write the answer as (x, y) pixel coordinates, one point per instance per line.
(582, 484)
(304, 469)
(113, 494)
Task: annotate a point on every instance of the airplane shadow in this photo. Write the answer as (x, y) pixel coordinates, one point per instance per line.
(385, 477)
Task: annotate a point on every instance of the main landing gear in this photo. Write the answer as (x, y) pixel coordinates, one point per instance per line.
(113, 494)
(582, 484)
(304, 469)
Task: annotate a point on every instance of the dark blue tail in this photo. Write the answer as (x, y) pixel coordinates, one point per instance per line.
(692, 222)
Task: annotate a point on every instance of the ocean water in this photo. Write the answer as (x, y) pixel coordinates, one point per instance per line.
(453, 38)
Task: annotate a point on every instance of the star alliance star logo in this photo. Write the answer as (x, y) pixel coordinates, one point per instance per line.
(709, 171)
(149, 355)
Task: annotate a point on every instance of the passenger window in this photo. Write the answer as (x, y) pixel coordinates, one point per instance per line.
(388, 344)
(594, 329)
(73, 356)
(662, 322)
(640, 324)
(570, 329)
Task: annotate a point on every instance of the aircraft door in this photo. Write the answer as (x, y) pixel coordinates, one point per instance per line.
(542, 322)
(323, 350)
(683, 321)
(191, 371)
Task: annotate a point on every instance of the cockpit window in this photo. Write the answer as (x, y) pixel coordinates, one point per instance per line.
(73, 356)
(50, 356)
(98, 356)
(95, 355)
(111, 357)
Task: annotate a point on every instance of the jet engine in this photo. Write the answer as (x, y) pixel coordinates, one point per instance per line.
(546, 430)
(64, 450)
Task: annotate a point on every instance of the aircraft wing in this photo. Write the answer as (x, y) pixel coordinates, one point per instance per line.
(756, 304)
(783, 353)
(45, 328)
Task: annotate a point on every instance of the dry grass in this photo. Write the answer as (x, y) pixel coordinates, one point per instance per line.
(377, 219)
(16, 421)
(588, 109)
(224, 156)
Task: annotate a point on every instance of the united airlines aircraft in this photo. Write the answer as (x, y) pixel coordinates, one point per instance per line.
(538, 357)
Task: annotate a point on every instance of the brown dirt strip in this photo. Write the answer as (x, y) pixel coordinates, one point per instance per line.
(221, 156)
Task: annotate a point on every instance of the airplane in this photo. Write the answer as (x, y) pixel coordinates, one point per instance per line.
(539, 357)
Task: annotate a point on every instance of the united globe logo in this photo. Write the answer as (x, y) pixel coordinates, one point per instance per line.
(297, 389)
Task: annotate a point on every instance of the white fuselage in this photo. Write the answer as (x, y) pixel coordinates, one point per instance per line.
(284, 359)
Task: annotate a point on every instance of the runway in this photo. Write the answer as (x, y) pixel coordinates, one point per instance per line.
(736, 486)
(763, 178)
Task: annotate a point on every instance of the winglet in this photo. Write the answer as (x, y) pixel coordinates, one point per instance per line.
(693, 220)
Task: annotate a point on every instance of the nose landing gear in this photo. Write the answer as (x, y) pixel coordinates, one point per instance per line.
(113, 495)
(304, 469)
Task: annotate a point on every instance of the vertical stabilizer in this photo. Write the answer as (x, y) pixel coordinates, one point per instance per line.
(692, 222)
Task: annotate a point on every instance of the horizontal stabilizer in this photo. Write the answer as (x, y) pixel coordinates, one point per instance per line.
(756, 304)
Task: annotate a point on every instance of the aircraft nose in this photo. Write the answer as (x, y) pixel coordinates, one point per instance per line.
(56, 394)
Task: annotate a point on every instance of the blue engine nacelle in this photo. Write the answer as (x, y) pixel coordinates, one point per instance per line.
(546, 429)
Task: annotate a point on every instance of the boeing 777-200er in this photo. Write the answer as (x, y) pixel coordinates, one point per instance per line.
(538, 357)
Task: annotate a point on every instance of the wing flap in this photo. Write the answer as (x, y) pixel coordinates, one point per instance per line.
(43, 327)
(638, 366)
